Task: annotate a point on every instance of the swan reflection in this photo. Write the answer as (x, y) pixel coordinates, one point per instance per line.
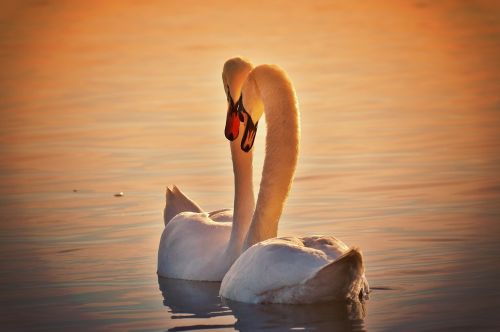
(192, 299)
(195, 299)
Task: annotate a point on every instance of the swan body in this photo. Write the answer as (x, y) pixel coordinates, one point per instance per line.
(196, 245)
(284, 270)
(198, 232)
(296, 270)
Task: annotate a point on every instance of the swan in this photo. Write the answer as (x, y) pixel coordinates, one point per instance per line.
(290, 269)
(202, 246)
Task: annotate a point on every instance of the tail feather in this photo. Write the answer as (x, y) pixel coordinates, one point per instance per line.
(177, 202)
(340, 279)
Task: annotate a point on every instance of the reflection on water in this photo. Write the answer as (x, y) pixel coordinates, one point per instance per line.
(190, 299)
(400, 155)
(199, 299)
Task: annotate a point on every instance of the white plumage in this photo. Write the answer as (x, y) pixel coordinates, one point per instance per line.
(193, 247)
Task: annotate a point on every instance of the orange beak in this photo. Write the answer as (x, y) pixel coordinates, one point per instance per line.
(232, 122)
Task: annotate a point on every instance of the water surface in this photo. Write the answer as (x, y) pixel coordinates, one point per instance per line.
(400, 156)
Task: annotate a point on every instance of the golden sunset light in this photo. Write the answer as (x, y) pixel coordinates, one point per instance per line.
(358, 143)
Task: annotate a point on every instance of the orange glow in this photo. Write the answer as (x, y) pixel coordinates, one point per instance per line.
(400, 136)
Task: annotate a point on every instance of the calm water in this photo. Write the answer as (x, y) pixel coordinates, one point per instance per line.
(400, 156)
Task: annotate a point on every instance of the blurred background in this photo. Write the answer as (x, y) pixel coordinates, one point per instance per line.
(400, 155)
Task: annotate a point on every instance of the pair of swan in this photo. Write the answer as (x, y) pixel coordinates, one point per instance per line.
(254, 265)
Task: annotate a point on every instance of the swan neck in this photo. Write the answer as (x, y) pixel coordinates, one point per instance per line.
(244, 199)
(282, 147)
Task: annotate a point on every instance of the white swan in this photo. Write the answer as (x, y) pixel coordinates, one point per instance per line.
(197, 245)
(284, 270)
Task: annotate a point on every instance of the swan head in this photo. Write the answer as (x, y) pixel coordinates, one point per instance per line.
(250, 109)
(270, 85)
(234, 74)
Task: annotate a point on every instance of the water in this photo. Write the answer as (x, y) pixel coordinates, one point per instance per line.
(400, 156)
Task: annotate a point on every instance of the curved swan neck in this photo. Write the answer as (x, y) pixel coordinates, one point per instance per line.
(244, 199)
(282, 145)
